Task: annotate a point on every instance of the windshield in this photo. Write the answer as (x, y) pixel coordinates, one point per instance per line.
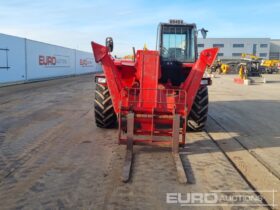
(178, 43)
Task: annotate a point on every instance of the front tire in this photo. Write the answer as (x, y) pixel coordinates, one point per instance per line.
(198, 114)
(105, 116)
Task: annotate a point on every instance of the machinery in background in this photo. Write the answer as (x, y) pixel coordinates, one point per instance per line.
(265, 65)
(245, 56)
(249, 70)
(250, 66)
(132, 56)
(220, 68)
(156, 96)
(225, 68)
(270, 66)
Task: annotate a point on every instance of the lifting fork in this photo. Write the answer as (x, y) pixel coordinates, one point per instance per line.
(127, 168)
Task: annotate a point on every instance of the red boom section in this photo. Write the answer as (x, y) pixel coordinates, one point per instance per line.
(192, 83)
(148, 75)
(140, 81)
(113, 76)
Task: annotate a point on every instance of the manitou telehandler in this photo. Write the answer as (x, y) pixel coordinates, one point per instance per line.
(158, 95)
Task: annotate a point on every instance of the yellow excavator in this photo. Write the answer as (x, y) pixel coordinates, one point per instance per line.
(249, 66)
(270, 66)
(220, 68)
(245, 56)
(266, 66)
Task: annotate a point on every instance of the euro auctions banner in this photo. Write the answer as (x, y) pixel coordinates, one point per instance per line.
(22, 60)
(85, 63)
(45, 60)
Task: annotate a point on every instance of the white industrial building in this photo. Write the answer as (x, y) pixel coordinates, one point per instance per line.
(232, 48)
(274, 49)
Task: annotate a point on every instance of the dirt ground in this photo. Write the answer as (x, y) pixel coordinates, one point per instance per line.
(52, 156)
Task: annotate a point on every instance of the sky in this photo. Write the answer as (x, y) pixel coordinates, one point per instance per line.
(75, 24)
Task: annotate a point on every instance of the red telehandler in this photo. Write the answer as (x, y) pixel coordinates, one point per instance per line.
(158, 95)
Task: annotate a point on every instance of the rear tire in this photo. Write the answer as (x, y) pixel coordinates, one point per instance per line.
(105, 116)
(198, 114)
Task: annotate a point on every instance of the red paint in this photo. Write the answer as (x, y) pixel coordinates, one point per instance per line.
(134, 87)
(47, 60)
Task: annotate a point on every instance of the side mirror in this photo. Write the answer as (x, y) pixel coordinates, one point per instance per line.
(204, 33)
(109, 44)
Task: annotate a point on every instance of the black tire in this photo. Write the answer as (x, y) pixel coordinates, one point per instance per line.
(198, 115)
(105, 116)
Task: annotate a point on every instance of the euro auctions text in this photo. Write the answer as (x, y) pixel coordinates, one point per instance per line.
(218, 198)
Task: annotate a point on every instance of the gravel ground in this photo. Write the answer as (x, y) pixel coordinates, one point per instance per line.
(52, 156)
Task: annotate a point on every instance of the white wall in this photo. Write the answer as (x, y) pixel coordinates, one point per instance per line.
(23, 60)
(12, 59)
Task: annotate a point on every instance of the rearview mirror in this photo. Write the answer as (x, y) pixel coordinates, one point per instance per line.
(204, 33)
(109, 44)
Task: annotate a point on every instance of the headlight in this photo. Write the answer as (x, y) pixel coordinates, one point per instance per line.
(101, 80)
(204, 82)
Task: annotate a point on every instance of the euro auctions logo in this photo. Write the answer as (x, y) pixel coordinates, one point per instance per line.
(51, 61)
(216, 198)
(87, 62)
(192, 199)
(47, 60)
